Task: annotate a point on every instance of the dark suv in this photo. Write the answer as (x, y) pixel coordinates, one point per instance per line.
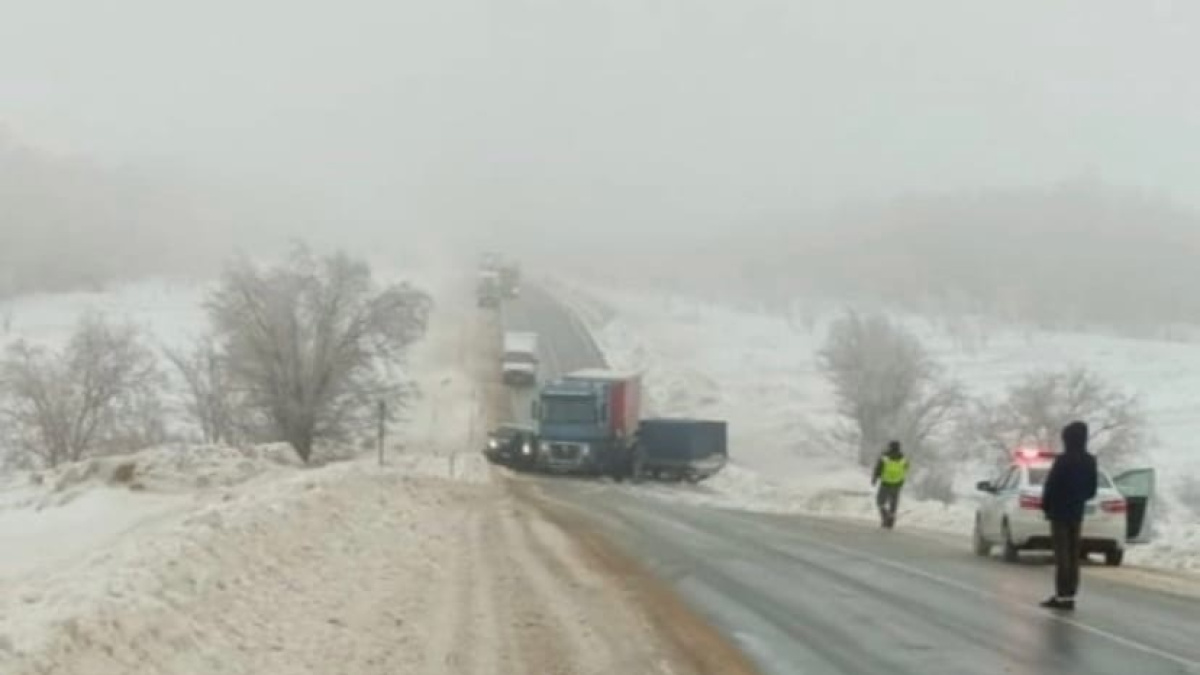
(513, 445)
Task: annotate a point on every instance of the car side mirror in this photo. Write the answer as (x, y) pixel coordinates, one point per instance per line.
(985, 486)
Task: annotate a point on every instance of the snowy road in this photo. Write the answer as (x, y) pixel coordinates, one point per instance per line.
(803, 595)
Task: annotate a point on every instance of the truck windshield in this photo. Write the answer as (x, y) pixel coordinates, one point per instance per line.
(519, 357)
(568, 411)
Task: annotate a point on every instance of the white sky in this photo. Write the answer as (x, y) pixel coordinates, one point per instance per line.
(582, 113)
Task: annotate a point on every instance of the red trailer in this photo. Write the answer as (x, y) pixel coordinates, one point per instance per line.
(624, 397)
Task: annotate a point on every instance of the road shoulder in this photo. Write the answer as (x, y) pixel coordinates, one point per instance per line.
(694, 642)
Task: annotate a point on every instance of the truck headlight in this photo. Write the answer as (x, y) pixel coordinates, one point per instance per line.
(493, 444)
(526, 449)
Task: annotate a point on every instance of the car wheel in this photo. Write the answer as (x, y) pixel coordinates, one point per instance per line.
(983, 547)
(1012, 554)
(1114, 557)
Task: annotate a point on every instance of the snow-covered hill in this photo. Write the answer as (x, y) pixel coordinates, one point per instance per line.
(758, 370)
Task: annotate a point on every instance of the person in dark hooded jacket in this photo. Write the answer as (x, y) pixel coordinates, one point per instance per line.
(1069, 486)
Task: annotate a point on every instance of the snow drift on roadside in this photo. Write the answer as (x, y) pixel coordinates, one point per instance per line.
(188, 594)
(50, 517)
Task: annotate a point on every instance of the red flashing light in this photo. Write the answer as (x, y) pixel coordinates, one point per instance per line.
(1032, 502)
(1033, 454)
(1114, 506)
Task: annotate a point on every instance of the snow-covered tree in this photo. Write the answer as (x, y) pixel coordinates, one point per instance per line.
(886, 384)
(101, 393)
(1035, 409)
(211, 398)
(309, 342)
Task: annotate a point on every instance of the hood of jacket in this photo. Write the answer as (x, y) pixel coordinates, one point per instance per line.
(1075, 438)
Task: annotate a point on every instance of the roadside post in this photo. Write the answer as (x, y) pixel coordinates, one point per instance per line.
(382, 410)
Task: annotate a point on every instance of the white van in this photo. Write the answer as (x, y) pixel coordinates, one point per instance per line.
(519, 364)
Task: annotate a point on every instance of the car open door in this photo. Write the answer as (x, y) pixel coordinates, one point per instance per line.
(1137, 486)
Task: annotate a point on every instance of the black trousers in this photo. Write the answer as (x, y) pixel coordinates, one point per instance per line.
(1067, 553)
(888, 498)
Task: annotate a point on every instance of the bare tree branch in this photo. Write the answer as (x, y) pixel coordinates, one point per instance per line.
(1034, 411)
(212, 399)
(100, 394)
(886, 385)
(307, 342)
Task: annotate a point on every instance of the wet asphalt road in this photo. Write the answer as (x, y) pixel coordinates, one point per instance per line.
(802, 595)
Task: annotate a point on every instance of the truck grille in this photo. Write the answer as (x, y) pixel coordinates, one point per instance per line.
(564, 451)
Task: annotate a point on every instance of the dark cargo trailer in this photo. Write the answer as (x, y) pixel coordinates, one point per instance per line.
(679, 449)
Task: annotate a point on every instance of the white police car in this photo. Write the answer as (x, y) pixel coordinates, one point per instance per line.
(1010, 513)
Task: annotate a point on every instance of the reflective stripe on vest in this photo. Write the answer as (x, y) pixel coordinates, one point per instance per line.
(894, 470)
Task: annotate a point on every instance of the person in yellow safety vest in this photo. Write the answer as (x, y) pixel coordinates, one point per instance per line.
(890, 472)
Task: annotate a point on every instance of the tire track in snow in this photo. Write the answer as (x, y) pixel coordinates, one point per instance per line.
(449, 639)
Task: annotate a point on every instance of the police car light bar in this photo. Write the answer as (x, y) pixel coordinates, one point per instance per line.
(1030, 454)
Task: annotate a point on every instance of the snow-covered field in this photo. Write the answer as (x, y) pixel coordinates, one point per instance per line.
(170, 312)
(758, 370)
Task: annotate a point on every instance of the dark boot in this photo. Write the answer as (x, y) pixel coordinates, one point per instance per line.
(1061, 604)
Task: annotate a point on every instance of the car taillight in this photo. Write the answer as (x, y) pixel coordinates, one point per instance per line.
(1114, 506)
(1030, 502)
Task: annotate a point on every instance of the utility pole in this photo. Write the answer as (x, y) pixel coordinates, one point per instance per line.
(382, 428)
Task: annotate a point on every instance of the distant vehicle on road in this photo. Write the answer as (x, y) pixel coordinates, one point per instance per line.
(586, 422)
(510, 279)
(1010, 514)
(679, 449)
(512, 445)
(490, 261)
(487, 289)
(519, 360)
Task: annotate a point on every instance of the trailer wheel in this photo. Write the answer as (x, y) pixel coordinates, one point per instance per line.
(616, 470)
(637, 473)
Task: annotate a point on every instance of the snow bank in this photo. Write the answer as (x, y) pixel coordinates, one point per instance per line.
(1176, 546)
(758, 370)
(47, 518)
(186, 594)
(169, 560)
(844, 496)
(39, 539)
(167, 469)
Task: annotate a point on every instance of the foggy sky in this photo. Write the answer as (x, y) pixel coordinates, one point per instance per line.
(654, 115)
